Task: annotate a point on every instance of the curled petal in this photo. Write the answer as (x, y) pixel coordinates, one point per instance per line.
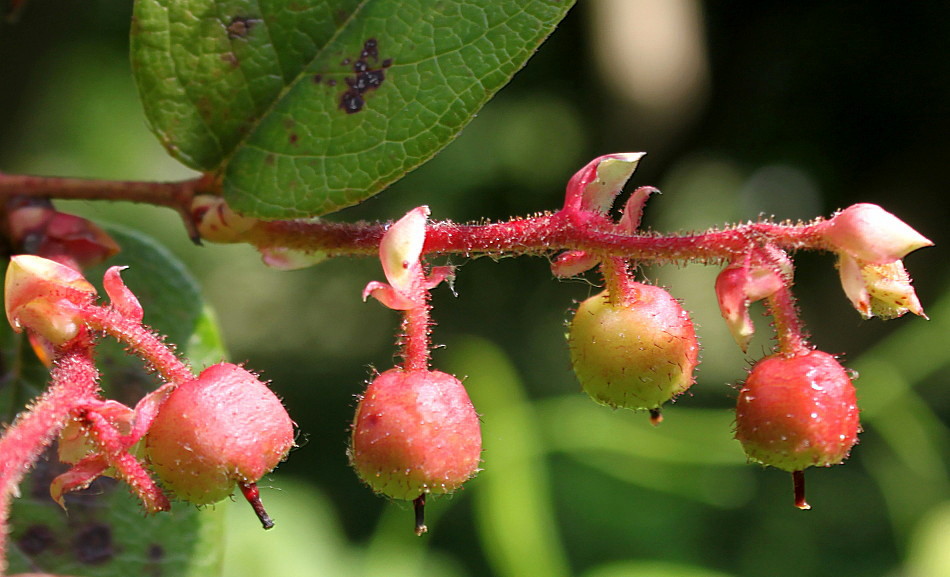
(594, 187)
(401, 247)
(390, 297)
(75, 442)
(738, 286)
(734, 305)
(870, 234)
(852, 281)
(123, 301)
(573, 263)
(890, 290)
(633, 210)
(77, 478)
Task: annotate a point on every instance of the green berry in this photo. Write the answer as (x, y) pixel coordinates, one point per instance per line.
(637, 354)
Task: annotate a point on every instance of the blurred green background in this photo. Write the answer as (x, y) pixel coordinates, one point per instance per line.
(746, 109)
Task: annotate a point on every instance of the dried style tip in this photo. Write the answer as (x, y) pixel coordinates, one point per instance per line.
(419, 505)
(253, 496)
(798, 488)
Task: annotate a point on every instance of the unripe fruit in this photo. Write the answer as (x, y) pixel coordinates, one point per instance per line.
(224, 428)
(415, 432)
(635, 355)
(796, 412)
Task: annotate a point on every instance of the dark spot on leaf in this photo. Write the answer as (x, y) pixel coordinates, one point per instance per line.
(240, 26)
(93, 544)
(351, 101)
(293, 138)
(331, 82)
(317, 78)
(366, 77)
(155, 554)
(345, 62)
(36, 539)
(231, 58)
(370, 50)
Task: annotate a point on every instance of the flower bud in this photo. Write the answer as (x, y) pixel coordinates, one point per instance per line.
(45, 297)
(869, 233)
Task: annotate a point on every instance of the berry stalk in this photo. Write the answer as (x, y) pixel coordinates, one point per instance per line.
(74, 381)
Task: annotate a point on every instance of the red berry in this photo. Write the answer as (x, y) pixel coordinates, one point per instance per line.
(415, 432)
(796, 412)
(224, 428)
(637, 354)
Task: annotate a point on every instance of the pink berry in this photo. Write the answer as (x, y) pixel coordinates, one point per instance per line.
(637, 354)
(224, 428)
(415, 432)
(796, 412)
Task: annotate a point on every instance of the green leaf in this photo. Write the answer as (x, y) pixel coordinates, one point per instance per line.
(105, 532)
(311, 106)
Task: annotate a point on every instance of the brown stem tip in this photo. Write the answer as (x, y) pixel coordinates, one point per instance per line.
(798, 482)
(253, 497)
(419, 503)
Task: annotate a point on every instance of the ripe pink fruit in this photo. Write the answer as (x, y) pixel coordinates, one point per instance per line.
(797, 411)
(223, 428)
(415, 432)
(635, 355)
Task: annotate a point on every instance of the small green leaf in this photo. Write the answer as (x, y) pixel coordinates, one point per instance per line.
(311, 106)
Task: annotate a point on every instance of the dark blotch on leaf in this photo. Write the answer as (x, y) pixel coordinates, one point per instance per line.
(155, 552)
(93, 544)
(36, 539)
(365, 77)
(240, 26)
(351, 101)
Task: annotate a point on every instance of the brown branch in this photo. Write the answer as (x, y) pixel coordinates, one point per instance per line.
(176, 195)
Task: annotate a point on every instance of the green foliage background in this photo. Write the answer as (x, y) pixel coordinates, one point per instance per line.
(809, 107)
